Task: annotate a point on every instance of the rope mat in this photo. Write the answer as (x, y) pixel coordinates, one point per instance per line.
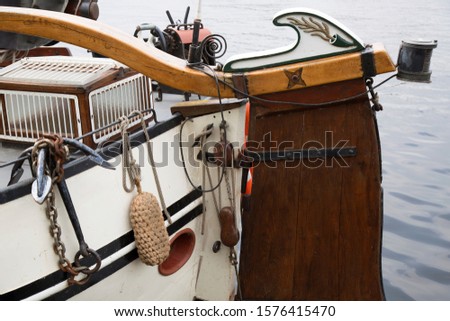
(151, 237)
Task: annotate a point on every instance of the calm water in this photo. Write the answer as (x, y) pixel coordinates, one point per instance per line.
(414, 126)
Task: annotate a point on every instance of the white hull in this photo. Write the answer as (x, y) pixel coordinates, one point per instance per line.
(102, 207)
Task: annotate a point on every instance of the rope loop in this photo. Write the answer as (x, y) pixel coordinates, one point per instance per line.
(130, 169)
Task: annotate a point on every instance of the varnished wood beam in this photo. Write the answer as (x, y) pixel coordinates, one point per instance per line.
(109, 42)
(173, 71)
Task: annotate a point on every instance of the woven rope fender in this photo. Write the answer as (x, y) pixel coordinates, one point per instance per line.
(151, 237)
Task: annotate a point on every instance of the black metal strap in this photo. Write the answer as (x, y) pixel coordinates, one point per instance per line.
(310, 154)
(368, 62)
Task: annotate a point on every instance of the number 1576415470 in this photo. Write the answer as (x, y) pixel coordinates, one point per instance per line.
(299, 311)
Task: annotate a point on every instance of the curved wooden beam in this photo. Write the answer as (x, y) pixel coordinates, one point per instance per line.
(111, 43)
(173, 71)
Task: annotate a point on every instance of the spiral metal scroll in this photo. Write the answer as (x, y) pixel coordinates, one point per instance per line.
(214, 46)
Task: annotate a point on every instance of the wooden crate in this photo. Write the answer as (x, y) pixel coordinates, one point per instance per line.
(70, 97)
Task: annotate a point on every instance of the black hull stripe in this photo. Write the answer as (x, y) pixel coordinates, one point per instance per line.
(121, 262)
(104, 252)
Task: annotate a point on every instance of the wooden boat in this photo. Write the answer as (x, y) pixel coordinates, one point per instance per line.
(311, 228)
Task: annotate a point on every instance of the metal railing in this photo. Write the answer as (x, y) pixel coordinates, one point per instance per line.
(109, 103)
(25, 116)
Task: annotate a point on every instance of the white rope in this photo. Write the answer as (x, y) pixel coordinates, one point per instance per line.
(130, 169)
(153, 165)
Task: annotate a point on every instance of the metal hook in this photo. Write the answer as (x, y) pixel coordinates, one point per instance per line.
(375, 99)
(42, 185)
(17, 170)
(93, 155)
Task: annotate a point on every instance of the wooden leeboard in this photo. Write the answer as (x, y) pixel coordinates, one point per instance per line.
(314, 228)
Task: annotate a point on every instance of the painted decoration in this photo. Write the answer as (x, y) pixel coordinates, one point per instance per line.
(319, 36)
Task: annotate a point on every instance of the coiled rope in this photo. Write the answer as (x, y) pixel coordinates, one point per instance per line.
(150, 233)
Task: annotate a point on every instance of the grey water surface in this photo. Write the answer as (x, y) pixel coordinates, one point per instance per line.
(414, 125)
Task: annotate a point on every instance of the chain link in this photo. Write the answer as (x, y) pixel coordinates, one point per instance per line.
(231, 196)
(234, 262)
(58, 151)
(58, 245)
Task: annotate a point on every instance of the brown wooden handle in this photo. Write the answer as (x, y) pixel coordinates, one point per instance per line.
(229, 233)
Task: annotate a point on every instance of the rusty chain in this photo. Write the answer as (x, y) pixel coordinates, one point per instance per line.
(60, 153)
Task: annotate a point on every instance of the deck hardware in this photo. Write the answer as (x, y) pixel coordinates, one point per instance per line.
(253, 157)
(295, 78)
(216, 246)
(91, 154)
(240, 85)
(182, 247)
(213, 46)
(194, 53)
(368, 62)
(154, 31)
(229, 233)
(84, 250)
(17, 170)
(414, 60)
(48, 156)
(43, 182)
(375, 99)
(83, 8)
(234, 262)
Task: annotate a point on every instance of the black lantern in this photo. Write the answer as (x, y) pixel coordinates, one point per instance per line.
(414, 60)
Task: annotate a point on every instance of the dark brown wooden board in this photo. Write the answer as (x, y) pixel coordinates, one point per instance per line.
(313, 231)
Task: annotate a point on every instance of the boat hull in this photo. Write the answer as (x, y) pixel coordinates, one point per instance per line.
(103, 208)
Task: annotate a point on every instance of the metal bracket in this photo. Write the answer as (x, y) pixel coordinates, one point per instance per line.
(240, 84)
(252, 157)
(375, 99)
(368, 62)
